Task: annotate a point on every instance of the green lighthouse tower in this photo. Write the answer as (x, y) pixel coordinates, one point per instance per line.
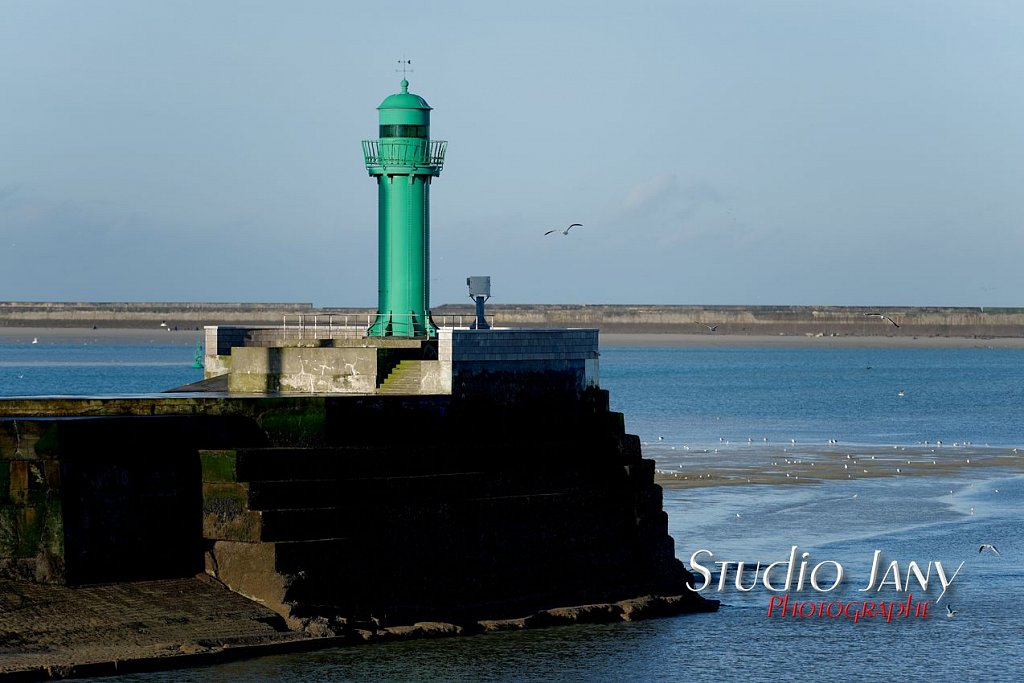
(404, 161)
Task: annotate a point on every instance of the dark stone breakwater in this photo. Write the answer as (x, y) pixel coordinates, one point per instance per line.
(481, 512)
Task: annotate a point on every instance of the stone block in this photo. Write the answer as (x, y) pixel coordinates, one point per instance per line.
(250, 569)
(226, 513)
(308, 368)
(29, 526)
(584, 614)
(641, 474)
(218, 465)
(497, 625)
(422, 629)
(651, 606)
(19, 481)
(5, 481)
(8, 531)
(295, 424)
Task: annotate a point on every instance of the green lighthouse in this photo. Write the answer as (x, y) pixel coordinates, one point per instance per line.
(404, 161)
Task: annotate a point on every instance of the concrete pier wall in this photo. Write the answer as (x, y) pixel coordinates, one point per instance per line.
(303, 370)
(459, 360)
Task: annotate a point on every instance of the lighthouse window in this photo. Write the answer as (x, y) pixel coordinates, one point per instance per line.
(398, 130)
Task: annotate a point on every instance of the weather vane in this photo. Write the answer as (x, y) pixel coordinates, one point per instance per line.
(404, 66)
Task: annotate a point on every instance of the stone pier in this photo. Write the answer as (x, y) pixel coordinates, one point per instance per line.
(479, 481)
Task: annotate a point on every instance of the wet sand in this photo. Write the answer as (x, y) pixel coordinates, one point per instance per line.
(49, 631)
(801, 465)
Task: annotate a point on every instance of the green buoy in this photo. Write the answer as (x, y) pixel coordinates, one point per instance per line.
(198, 358)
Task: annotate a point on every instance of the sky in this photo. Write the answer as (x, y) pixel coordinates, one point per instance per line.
(744, 152)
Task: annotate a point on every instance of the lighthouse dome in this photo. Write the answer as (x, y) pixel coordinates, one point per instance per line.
(404, 115)
(404, 100)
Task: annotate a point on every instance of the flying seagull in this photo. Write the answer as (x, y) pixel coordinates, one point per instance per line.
(950, 612)
(566, 231)
(987, 546)
(883, 316)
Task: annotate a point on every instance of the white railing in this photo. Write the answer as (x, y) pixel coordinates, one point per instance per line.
(460, 321)
(355, 325)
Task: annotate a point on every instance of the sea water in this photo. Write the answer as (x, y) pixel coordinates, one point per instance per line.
(718, 398)
(815, 394)
(65, 363)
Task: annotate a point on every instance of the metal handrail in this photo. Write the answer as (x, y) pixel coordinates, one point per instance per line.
(355, 325)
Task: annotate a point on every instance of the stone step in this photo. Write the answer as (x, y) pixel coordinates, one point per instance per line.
(307, 510)
(269, 495)
(405, 523)
(406, 520)
(543, 460)
(405, 378)
(348, 573)
(383, 523)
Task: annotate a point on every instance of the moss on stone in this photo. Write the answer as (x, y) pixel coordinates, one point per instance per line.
(226, 514)
(18, 486)
(52, 540)
(225, 499)
(218, 466)
(48, 442)
(5, 481)
(8, 531)
(254, 383)
(301, 427)
(29, 529)
(38, 487)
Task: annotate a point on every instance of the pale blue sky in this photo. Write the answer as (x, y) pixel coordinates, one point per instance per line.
(723, 152)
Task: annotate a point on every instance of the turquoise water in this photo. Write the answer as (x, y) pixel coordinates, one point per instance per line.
(714, 397)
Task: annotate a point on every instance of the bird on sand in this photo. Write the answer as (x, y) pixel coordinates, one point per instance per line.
(987, 546)
(566, 231)
(883, 316)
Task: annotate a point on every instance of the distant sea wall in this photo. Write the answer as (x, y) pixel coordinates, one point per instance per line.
(145, 314)
(656, 319)
(868, 321)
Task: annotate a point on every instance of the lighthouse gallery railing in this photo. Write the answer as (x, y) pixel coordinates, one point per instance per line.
(405, 152)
